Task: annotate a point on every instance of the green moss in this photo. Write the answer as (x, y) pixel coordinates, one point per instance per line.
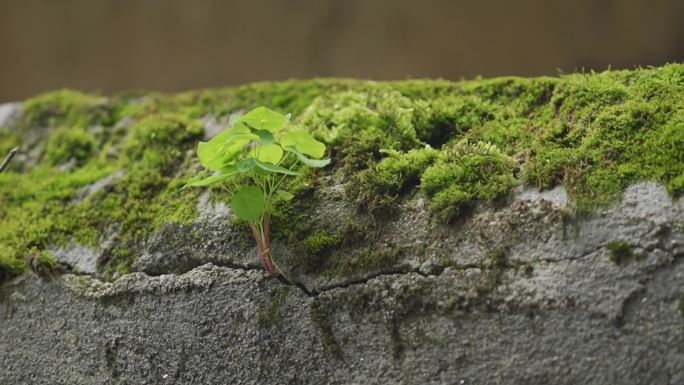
(69, 143)
(595, 133)
(620, 251)
(498, 259)
(357, 125)
(367, 259)
(316, 246)
(43, 263)
(8, 141)
(376, 189)
(66, 108)
(465, 174)
(35, 210)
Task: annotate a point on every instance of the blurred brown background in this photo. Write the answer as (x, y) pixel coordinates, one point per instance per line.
(171, 45)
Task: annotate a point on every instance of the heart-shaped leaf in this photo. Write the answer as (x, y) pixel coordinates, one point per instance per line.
(262, 118)
(265, 136)
(248, 203)
(270, 153)
(304, 143)
(224, 147)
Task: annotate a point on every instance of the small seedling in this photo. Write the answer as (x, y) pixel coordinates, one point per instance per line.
(250, 160)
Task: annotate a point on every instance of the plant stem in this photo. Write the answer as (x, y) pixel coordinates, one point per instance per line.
(264, 248)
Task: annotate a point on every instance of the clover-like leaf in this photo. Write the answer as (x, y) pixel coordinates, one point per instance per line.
(240, 133)
(265, 136)
(248, 203)
(211, 153)
(304, 143)
(317, 163)
(262, 118)
(270, 153)
(224, 147)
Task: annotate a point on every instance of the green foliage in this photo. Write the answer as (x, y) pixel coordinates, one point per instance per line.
(251, 159)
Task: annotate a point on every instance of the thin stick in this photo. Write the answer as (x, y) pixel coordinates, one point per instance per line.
(8, 159)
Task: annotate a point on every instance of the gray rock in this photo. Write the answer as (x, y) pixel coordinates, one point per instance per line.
(519, 295)
(557, 195)
(87, 191)
(10, 114)
(81, 259)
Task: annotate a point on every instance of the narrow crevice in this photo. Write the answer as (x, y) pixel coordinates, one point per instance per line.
(398, 270)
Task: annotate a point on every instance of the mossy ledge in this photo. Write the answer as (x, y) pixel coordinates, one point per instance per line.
(459, 144)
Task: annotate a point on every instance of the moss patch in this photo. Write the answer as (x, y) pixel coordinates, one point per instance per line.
(620, 251)
(465, 174)
(377, 188)
(594, 133)
(69, 143)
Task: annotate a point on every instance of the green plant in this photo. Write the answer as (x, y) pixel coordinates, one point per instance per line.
(250, 160)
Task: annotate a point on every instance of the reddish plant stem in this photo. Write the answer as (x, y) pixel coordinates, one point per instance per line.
(260, 246)
(264, 249)
(267, 247)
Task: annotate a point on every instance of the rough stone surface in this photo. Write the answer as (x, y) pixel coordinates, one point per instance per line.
(523, 294)
(82, 259)
(9, 114)
(557, 195)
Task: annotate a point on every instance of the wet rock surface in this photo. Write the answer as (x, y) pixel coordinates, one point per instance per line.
(522, 294)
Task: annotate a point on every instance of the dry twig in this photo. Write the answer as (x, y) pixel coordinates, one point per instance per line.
(8, 159)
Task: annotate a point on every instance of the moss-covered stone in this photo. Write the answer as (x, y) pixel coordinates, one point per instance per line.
(271, 314)
(460, 144)
(320, 316)
(66, 108)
